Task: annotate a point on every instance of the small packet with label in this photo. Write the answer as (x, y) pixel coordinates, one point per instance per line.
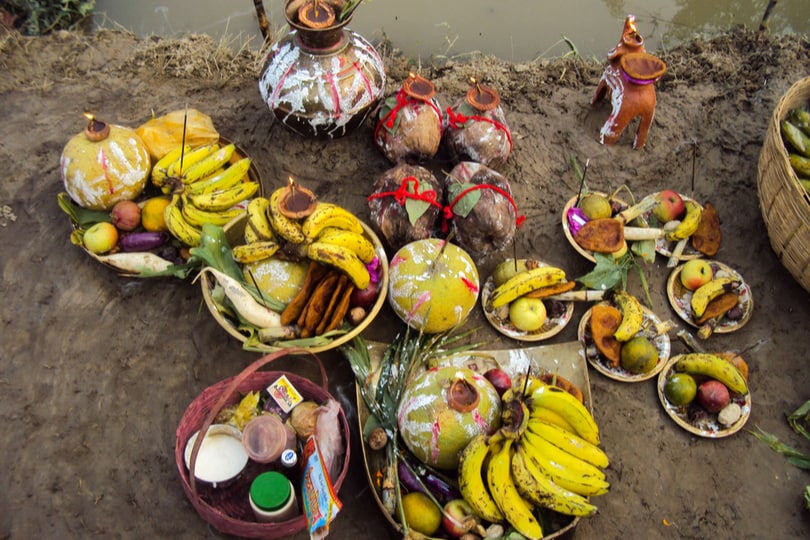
(320, 501)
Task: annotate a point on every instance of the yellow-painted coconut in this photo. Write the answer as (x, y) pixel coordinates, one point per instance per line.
(103, 165)
(432, 285)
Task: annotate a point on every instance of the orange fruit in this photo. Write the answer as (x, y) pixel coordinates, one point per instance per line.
(152, 214)
(639, 355)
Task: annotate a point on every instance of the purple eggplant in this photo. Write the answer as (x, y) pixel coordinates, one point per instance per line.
(442, 490)
(142, 241)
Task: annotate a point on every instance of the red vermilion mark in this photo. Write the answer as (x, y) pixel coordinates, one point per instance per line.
(434, 442)
(470, 285)
(423, 299)
(479, 420)
(104, 166)
(395, 260)
(333, 89)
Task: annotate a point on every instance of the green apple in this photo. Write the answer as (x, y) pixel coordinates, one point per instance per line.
(595, 206)
(100, 238)
(696, 272)
(527, 314)
(506, 270)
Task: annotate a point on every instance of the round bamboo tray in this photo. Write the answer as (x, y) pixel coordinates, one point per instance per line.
(784, 204)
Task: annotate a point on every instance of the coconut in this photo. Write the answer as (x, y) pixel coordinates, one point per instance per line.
(442, 410)
(477, 130)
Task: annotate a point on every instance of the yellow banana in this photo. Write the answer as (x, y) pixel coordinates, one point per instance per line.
(632, 315)
(471, 479)
(208, 165)
(709, 291)
(330, 215)
(569, 442)
(538, 488)
(547, 415)
(523, 283)
(251, 236)
(516, 510)
(178, 226)
(189, 159)
(257, 251)
(569, 407)
(343, 259)
(226, 198)
(715, 367)
(257, 220)
(160, 169)
(221, 179)
(358, 243)
(288, 229)
(197, 216)
(688, 224)
(563, 469)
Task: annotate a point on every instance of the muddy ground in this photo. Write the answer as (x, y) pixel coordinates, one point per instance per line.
(96, 370)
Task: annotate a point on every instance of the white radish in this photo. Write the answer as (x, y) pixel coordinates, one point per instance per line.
(247, 306)
(135, 262)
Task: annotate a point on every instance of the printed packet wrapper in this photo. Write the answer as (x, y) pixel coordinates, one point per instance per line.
(320, 502)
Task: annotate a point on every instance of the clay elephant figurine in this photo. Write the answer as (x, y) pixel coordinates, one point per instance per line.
(629, 82)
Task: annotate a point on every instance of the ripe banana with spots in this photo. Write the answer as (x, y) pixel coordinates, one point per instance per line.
(196, 216)
(356, 242)
(255, 251)
(568, 407)
(329, 215)
(632, 315)
(537, 487)
(524, 283)
(221, 179)
(341, 258)
(711, 290)
(715, 367)
(688, 224)
(226, 198)
(287, 228)
(160, 171)
(515, 509)
(257, 220)
(471, 479)
(177, 224)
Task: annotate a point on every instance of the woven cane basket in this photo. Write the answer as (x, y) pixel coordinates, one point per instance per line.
(784, 203)
(227, 508)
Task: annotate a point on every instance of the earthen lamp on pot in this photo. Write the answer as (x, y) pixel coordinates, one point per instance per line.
(96, 130)
(296, 201)
(316, 15)
(482, 97)
(418, 87)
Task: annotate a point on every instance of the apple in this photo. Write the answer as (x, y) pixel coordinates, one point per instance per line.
(695, 273)
(527, 314)
(100, 238)
(507, 270)
(669, 207)
(713, 396)
(458, 518)
(499, 379)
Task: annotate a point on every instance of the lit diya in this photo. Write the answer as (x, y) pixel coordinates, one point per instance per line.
(482, 97)
(296, 201)
(418, 87)
(96, 130)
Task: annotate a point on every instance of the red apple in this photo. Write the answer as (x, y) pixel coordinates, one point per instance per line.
(670, 206)
(695, 273)
(458, 518)
(713, 396)
(499, 379)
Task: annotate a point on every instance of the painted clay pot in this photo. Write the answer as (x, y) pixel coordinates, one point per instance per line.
(321, 82)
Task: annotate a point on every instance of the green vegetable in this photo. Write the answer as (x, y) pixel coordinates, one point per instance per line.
(82, 217)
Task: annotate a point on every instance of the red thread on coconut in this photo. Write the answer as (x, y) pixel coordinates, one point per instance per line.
(402, 193)
(518, 221)
(404, 99)
(457, 120)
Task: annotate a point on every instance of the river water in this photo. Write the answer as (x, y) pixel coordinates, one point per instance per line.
(514, 30)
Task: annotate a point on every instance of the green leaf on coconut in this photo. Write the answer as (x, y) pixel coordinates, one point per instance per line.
(389, 105)
(463, 206)
(415, 207)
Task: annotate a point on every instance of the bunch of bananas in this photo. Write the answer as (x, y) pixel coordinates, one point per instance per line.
(545, 455)
(330, 235)
(205, 186)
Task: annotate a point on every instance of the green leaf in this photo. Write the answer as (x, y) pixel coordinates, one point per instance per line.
(415, 207)
(463, 206)
(81, 216)
(607, 274)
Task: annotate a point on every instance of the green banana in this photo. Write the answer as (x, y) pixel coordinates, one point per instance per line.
(524, 283)
(800, 118)
(342, 259)
(515, 509)
(536, 486)
(256, 251)
(800, 164)
(160, 169)
(632, 315)
(715, 367)
(257, 219)
(709, 291)
(795, 137)
(569, 407)
(224, 199)
(570, 442)
(358, 243)
(207, 166)
(471, 480)
(288, 229)
(329, 215)
(688, 224)
(178, 226)
(221, 179)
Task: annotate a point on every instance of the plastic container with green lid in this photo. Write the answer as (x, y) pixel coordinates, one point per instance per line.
(272, 498)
